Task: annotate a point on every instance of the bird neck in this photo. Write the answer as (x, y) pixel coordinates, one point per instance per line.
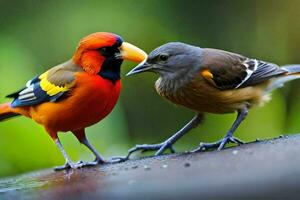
(166, 86)
(111, 69)
(172, 83)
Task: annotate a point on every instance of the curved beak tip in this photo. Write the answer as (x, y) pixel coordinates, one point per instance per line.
(142, 67)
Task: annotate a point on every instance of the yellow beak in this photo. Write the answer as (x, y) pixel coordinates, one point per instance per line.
(132, 53)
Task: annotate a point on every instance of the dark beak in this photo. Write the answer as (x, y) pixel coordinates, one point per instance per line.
(142, 67)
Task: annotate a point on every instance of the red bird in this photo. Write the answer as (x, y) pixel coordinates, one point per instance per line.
(78, 93)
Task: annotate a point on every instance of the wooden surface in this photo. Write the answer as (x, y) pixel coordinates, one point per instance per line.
(264, 170)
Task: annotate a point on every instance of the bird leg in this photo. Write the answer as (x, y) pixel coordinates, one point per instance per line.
(229, 136)
(69, 164)
(98, 160)
(80, 134)
(168, 144)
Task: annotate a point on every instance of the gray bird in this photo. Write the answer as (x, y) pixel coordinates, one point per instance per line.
(211, 81)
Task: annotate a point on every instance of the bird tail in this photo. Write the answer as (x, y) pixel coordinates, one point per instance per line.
(6, 112)
(292, 69)
(293, 72)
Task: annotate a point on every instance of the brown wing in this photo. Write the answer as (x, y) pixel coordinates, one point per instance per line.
(227, 70)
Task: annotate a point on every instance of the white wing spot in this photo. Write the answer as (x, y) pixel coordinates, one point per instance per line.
(27, 94)
(27, 90)
(248, 70)
(27, 97)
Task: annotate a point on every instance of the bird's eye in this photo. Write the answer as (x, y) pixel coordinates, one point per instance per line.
(104, 49)
(163, 57)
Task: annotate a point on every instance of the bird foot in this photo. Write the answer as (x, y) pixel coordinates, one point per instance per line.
(89, 163)
(219, 144)
(100, 161)
(116, 159)
(161, 148)
(70, 165)
(111, 160)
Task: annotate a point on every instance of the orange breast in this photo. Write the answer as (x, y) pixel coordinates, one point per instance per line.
(92, 99)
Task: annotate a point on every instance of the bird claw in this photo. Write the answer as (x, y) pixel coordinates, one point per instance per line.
(219, 144)
(97, 161)
(161, 148)
(236, 140)
(116, 159)
(70, 165)
(100, 161)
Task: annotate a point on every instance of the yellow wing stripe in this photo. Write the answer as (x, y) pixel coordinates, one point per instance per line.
(50, 88)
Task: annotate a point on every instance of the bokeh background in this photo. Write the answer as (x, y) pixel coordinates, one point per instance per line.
(35, 35)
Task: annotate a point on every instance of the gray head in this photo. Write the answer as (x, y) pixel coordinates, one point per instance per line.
(171, 60)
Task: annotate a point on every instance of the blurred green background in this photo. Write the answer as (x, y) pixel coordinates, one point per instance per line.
(35, 35)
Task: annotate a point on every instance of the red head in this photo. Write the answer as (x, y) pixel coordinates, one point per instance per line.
(103, 52)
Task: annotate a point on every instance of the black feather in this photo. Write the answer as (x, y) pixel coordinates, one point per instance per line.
(6, 116)
(263, 72)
